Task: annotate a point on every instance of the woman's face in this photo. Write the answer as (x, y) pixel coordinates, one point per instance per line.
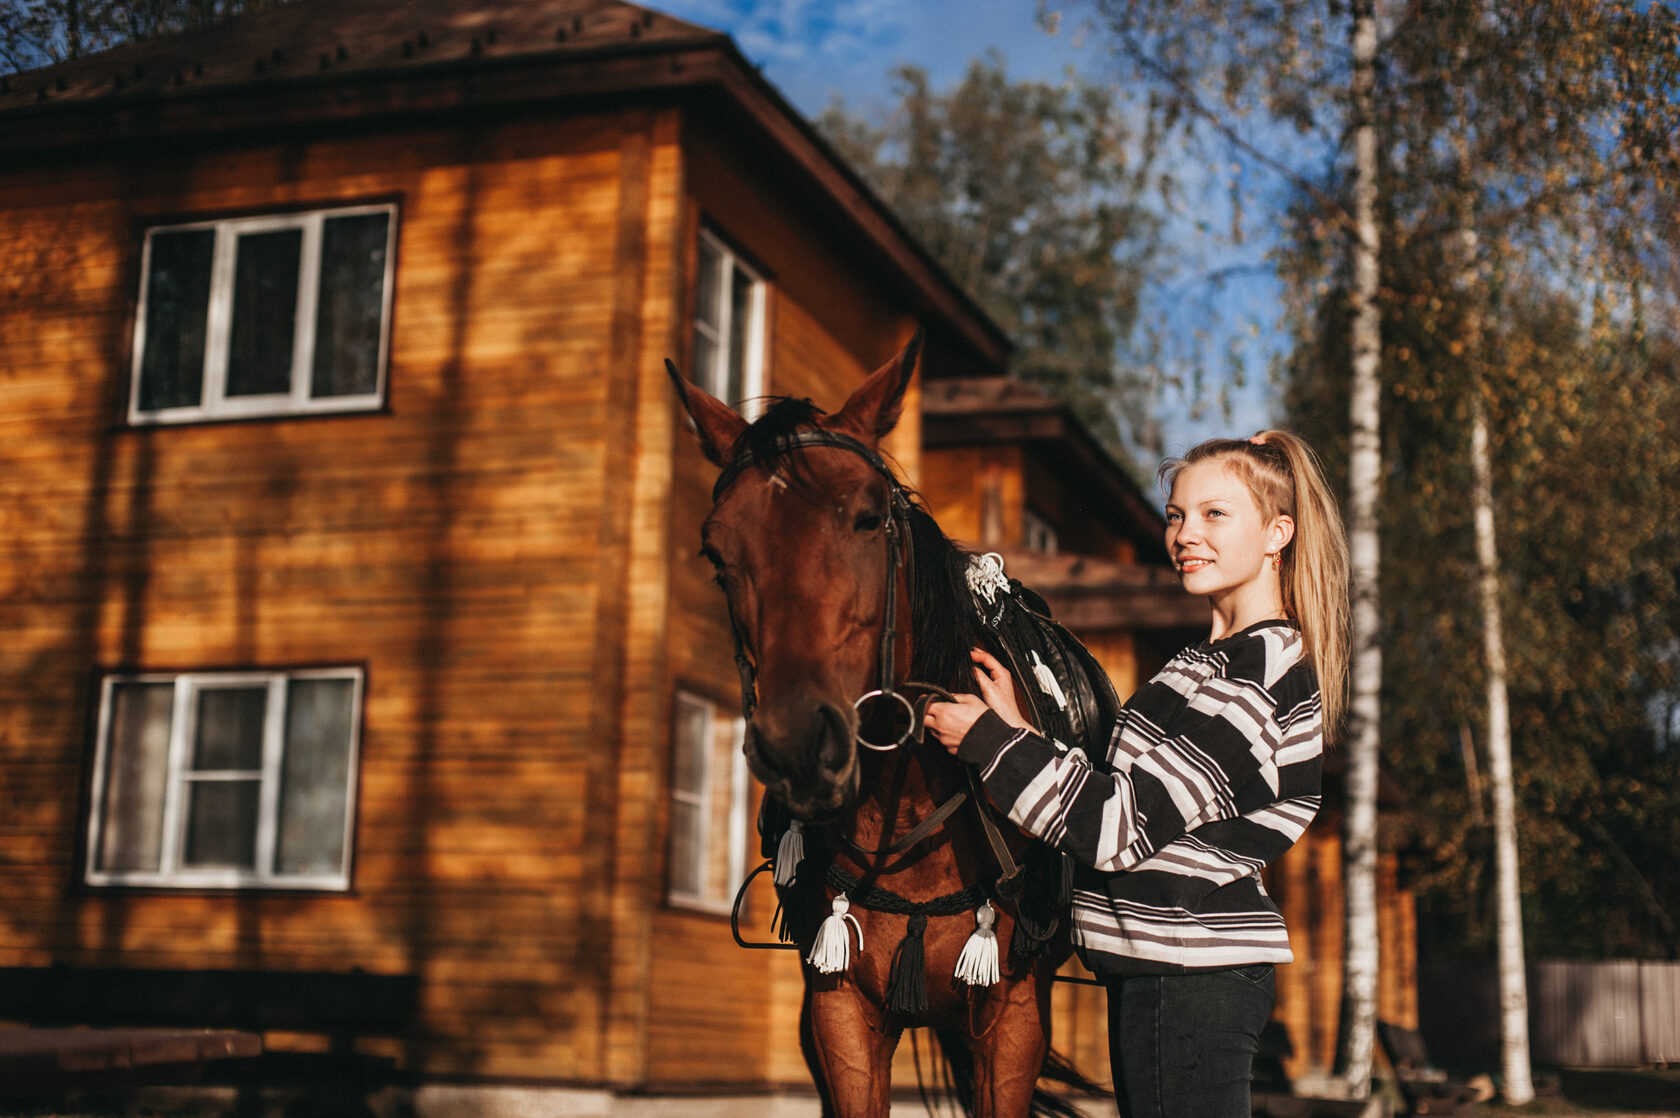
(1216, 534)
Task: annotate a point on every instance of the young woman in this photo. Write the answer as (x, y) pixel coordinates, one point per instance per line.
(1212, 772)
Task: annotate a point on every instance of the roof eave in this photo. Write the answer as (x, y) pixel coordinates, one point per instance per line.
(55, 131)
(1056, 427)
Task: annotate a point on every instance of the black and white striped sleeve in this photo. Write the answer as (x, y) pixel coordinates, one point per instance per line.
(1199, 744)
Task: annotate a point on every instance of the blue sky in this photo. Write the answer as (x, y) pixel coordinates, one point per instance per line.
(815, 50)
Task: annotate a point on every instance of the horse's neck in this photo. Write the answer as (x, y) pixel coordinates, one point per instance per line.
(901, 790)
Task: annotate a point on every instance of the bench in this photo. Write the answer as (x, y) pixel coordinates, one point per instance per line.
(1272, 1093)
(120, 1025)
(1426, 1088)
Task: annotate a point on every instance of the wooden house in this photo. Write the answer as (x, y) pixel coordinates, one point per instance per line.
(359, 685)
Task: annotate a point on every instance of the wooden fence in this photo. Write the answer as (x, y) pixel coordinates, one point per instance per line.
(1609, 1014)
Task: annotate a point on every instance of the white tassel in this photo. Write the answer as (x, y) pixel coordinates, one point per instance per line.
(832, 952)
(1047, 680)
(789, 853)
(978, 964)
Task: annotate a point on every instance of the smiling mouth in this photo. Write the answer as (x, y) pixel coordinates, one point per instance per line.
(1185, 566)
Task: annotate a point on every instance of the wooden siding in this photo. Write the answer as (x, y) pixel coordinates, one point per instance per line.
(455, 544)
(977, 493)
(1307, 886)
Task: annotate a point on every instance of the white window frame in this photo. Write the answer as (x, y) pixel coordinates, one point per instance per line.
(736, 856)
(1037, 533)
(715, 379)
(214, 403)
(182, 729)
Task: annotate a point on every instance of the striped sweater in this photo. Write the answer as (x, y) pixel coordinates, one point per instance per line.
(1213, 770)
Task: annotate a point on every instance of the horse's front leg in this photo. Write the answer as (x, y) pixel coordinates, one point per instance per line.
(852, 1050)
(1009, 1038)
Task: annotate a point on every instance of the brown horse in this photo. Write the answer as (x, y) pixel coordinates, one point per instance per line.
(819, 551)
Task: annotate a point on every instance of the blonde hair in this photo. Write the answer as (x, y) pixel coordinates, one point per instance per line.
(1283, 475)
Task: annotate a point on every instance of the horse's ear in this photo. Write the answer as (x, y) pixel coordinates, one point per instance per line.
(873, 409)
(715, 422)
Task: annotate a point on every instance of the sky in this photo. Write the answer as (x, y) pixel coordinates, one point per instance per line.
(817, 50)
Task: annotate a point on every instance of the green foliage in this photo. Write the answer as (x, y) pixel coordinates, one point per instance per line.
(1029, 196)
(1529, 248)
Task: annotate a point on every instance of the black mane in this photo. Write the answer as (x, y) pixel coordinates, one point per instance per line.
(942, 614)
(943, 622)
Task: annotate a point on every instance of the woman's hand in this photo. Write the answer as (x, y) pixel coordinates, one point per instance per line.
(997, 687)
(950, 722)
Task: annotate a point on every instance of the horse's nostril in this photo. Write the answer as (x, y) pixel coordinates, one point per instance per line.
(808, 761)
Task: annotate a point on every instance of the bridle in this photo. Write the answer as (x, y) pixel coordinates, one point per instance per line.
(900, 550)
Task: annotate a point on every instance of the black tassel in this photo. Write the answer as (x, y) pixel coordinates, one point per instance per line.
(1022, 945)
(1030, 938)
(801, 908)
(907, 981)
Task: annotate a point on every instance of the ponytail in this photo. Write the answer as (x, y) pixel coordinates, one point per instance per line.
(1283, 475)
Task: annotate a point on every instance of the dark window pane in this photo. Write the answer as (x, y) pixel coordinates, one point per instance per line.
(689, 769)
(740, 323)
(265, 283)
(352, 303)
(230, 728)
(136, 766)
(177, 304)
(705, 366)
(687, 874)
(707, 308)
(222, 824)
(315, 776)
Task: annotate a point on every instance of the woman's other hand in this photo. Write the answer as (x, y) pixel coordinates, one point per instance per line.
(997, 687)
(950, 722)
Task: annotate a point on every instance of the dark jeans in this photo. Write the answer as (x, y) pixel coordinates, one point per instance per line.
(1182, 1045)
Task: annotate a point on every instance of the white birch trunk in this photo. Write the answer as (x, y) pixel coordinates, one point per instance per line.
(1360, 962)
(1513, 985)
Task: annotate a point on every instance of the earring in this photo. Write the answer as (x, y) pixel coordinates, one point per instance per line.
(1277, 561)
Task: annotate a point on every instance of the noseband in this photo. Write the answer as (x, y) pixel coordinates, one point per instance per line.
(899, 549)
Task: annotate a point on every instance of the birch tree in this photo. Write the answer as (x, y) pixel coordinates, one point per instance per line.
(1364, 737)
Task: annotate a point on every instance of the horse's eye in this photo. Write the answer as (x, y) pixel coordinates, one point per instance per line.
(867, 522)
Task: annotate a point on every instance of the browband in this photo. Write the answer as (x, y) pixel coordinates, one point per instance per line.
(799, 440)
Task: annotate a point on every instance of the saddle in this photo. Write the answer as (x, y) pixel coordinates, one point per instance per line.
(1073, 702)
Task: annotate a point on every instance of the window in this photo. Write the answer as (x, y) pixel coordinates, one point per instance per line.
(1037, 533)
(225, 780)
(728, 326)
(708, 805)
(279, 315)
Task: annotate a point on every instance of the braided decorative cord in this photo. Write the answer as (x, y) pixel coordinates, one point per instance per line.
(877, 899)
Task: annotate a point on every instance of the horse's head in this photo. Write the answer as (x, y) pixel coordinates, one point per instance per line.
(803, 542)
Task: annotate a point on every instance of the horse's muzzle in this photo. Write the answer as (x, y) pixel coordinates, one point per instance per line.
(806, 758)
